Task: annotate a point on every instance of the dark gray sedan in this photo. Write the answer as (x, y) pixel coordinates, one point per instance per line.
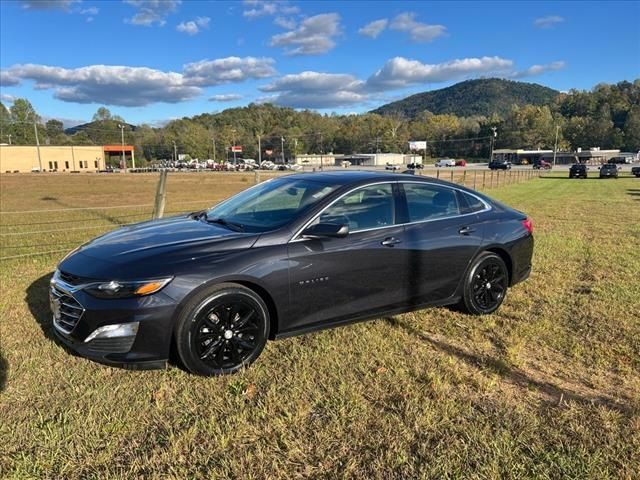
(288, 256)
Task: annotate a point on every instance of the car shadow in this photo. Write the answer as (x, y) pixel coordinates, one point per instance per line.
(513, 375)
(37, 299)
(4, 371)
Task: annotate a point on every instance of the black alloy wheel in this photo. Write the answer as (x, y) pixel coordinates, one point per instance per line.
(222, 330)
(486, 285)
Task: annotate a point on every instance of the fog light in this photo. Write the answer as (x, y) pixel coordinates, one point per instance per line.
(113, 331)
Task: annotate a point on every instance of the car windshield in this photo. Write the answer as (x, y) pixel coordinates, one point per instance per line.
(269, 205)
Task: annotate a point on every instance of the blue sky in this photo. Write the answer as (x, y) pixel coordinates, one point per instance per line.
(150, 61)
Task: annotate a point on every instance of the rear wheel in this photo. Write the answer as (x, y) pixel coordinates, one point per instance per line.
(222, 329)
(485, 285)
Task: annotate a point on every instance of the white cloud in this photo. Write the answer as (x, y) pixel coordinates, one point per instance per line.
(540, 69)
(548, 21)
(314, 36)
(316, 90)
(228, 70)
(110, 85)
(400, 72)
(89, 11)
(8, 79)
(373, 29)
(193, 27)
(49, 4)
(63, 5)
(285, 22)
(225, 97)
(418, 32)
(313, 82)
(6, 98)
(330, 90)
(152, 12)
(266, 8)
(136, 86)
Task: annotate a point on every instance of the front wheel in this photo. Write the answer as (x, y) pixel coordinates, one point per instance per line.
(222, 329)
(485, 285)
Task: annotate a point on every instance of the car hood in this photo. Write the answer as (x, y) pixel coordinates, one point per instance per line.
(158, 242)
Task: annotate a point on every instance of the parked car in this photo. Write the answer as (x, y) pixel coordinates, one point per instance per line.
(621, 160)
(446, 162)
(635, 171)
(215, 285)
(578, 170)
(609, 170)
(390, 166)
(414, 166)
(500, 165)
(542, 165)
(461, 163)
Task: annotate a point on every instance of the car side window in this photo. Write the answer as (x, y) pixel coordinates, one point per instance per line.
(470, 204)
(429, 202)
(367, 207)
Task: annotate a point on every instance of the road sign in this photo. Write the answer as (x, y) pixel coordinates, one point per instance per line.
(236, 148)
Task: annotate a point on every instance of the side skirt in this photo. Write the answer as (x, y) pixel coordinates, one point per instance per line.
(361, 318)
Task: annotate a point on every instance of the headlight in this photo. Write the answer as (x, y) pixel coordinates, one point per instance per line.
(117, 289)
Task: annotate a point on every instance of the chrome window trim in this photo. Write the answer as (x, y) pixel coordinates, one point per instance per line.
(297, 238)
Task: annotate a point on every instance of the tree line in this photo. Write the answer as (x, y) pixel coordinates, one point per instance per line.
(608, 116)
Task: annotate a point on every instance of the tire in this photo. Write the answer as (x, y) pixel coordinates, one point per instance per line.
(221, 329)
(485, 285)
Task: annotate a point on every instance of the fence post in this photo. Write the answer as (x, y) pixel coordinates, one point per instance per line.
(475, 176)
(451, 176)
(483, 178)
(161, 195)
(464, 177)
(438, 173)
(257, 176)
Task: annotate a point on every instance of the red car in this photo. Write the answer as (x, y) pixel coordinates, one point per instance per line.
(461, 163)
(542, 165)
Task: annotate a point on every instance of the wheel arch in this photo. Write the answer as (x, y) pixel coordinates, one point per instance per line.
(249, 283)
(506, 258)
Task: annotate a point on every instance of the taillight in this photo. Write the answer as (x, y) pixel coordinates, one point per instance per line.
(526, 223)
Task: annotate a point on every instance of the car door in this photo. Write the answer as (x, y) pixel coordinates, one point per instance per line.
(337, 278)
(442, 235)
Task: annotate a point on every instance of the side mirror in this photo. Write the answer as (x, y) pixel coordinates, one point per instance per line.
(331, 230)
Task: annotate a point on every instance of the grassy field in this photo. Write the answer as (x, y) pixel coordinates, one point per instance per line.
(548, 387)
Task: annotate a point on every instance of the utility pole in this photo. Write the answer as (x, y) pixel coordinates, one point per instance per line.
(9, 139)
(35, 129)
(555, 148)
(214, 149)
(124, 160)
(175, 152)
(321, 151)
(493, 137)
(282, 148)
(259, 152)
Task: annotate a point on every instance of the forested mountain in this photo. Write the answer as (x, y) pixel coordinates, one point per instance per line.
(608, 116)
(473, 97)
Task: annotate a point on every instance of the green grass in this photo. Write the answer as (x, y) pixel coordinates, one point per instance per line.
(548, 387)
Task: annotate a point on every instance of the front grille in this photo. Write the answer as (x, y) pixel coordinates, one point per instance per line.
(70, 279)
(70, 310)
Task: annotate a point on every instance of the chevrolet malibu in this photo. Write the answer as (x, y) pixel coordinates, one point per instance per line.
(288, 256)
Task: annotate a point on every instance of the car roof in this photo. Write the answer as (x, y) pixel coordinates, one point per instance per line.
(354, 177)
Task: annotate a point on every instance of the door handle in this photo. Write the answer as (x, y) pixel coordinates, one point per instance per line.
(466, 230)
(390, 241)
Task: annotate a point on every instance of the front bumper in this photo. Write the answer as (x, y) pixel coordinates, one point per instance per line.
(146, 346)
